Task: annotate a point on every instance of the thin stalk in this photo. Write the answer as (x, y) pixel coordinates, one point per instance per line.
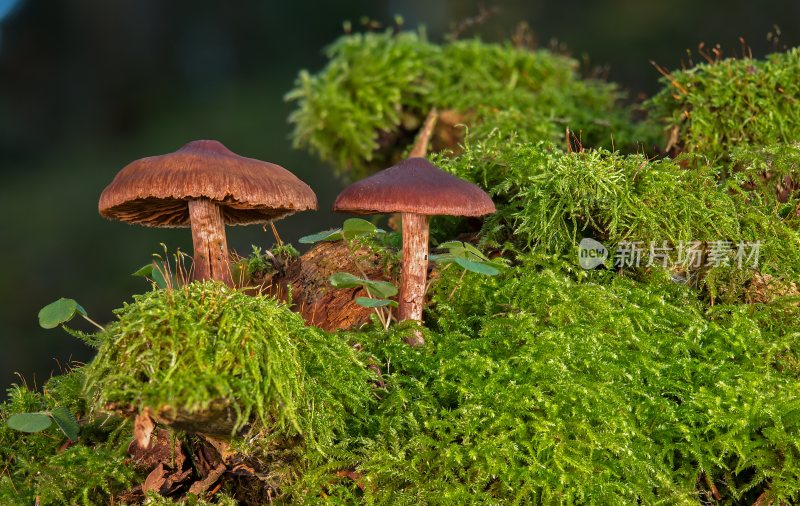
(93, 322)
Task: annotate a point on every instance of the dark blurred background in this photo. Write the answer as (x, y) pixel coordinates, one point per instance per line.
(87, 86)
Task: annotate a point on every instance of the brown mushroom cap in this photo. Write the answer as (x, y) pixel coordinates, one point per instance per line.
(153, 191)
(417, 186)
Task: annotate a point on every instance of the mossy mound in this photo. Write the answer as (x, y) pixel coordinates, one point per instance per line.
(548, 200)
(714, 108)
(181, 352)
(377, 88)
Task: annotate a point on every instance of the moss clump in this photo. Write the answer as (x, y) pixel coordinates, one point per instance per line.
(549, 384)
(41, 466)
(377, 88)
(548, 200)
(540, 387)
(738, 116)
(220, 499)
(715, 107)
(190, 347)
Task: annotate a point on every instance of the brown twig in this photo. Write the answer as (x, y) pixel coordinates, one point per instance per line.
(420, 147)
(275, 233)
(712, 487)
(465, 24)
(664, 72)
(763, 500)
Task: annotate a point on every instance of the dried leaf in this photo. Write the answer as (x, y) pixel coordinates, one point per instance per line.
(155, 480)
(204, 484)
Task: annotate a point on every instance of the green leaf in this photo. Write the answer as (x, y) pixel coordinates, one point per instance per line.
(158, 278)
(478, 267)
(381, 289)
(58, 312)
(29, 422)
(451, 244)
(475, 251)
(333, 234)
(346, 280)
(144, 272)
(153, 273)
(372, 303)
(66, 422)
(357, 226)
(445, 258)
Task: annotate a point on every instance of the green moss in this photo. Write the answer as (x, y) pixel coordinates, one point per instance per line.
(221, 499)
(553, 385)
(548, 200)
(40, 465)
(715, 109)
(540, 388)
(191, 347)
(377, 87)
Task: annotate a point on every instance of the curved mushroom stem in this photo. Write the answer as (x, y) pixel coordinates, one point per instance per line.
(414, 271)
(210, 245)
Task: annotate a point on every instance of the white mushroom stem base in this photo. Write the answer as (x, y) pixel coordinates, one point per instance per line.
(210, 244)
(414, 273)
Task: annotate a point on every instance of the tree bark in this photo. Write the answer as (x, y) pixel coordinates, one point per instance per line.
(414, 271)
(210, 244)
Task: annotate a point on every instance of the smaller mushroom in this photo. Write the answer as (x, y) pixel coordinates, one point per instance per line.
(417, 189)
(204, 186)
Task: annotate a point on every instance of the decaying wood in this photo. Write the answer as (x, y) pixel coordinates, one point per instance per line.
(763, 288)
(218, 420)
(162, 449)
(210, 243)
(320, 304)
(449, 131)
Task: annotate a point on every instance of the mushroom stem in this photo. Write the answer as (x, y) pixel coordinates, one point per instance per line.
(414, 271)
(210, 245)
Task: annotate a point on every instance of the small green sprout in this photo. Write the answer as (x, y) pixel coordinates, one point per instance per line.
(161, 272)
(378, 291)
(62, 311)
(153, 273)
(381, 289)
(467, 256)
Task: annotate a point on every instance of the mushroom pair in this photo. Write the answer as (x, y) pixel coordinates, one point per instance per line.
(204, 186)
